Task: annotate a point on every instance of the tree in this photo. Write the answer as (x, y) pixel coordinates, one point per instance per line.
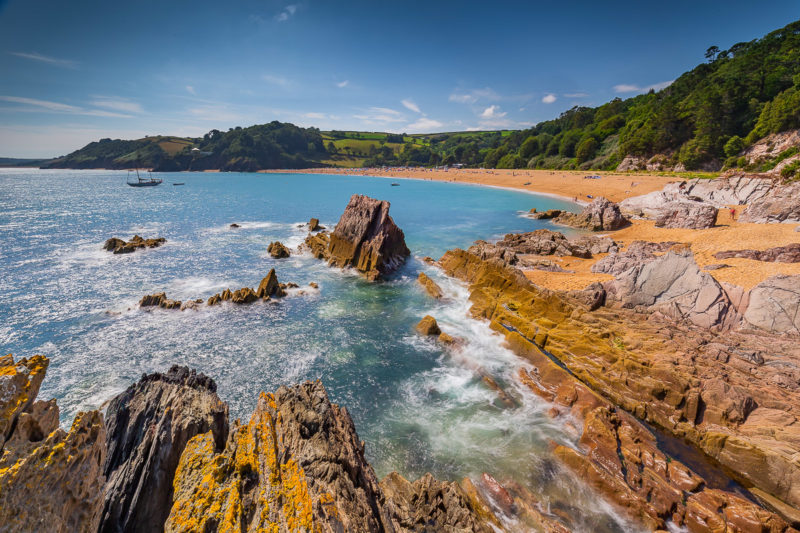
(711, 53)
(734, 146)
(586, 149)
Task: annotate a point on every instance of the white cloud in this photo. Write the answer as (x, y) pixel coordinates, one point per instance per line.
(424, 125)
(46, 59)
(549, 98)
(629, 88)
(493, 111)
(276, 80)
(320, 116)
(375, 115)
(190, 89)
(286, 13)
(576, 95)
(343, 84)
(32, 104)
(408, 104)
(463, 98)
(470, 97)
(118, 104)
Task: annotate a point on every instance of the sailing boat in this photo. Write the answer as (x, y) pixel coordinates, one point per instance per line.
(149, 181)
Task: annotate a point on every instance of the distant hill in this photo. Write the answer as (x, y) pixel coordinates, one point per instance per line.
(17, 162)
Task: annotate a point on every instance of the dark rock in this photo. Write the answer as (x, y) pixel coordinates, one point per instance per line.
(147, 429)
(780, 254)
(544, 215)
(235, 225)
(118, 246)
(159, 300)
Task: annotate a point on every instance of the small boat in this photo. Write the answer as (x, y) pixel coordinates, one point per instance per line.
(395, 184)
(149, 181)
(179, 183)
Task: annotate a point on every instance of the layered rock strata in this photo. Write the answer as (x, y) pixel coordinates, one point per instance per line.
(780, 254)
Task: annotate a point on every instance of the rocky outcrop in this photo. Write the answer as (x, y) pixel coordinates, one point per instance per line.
(159, 299)
(637, 253)
(277, 250)
(693, 215)
(774, 305)
(780, 204)
(119, 246)
(512, 249)
(733, 395)
(314, 225)
(544, 215)
(147, 429)
(50, 479)
(780, 254)
(317, 244)
(367, 239)
(268, 288)
(298, 465)
(430, 286)
(428, 326)
(600, 215)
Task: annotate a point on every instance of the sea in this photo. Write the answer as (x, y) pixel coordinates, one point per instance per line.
(418, 407)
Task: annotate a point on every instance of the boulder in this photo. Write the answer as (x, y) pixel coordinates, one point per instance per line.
(235, 225)
(19, 385)
(269, 286)
(781, 204)
(774, 305)
(637, 253)
(780, 254)
(317, 244)
(600, 215)
(118, 246)
(430, 286)
(314, 225)
(694, 215)
(244, 295)
(544, 215)
(367, 239)
(159, 299)
(277, 250)
(428, 326)
(147, 429)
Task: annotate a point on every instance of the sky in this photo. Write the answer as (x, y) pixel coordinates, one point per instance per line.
(76, 71)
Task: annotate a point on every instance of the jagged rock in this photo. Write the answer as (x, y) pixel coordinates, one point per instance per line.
(19, 385)
(593, 296)
(318, 244)
(235, 225)
(775, 305)
(694, 215)
(147, 429)
(118, 246)
(159, 299)
(313, 285)
(781, 204)
(428, 326)
(367, 239)
(595, 244)
(780, 254)
(544, 215)
(637, 253)
(218, 298)
(269, 286)
(446, 339)
(192, 304)
(50, 479)
(278, 250)
(244, 295)
(540, 242)
(314, 225)
(600, 215)
(430, 286)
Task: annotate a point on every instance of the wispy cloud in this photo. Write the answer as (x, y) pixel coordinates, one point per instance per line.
(217, 113)
(410, 105)
(576, 95)
(380, 115)
(286, 13)
(424, 125)
(343, 84)
(472, 96)
(629, 88)
(117, 104)
(493, 111)
(32, 104)
(549, 98)
(190, 90)
(276, 80)
(318, 116)
(33, 56)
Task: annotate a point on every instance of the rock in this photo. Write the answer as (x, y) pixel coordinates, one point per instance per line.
(244, 295)
(269, 286)
(694, 215)
(314, 225)
(637, 253)
(317, 244)
(367, 239)
(780, 254)
(775, 305)
(235, 225)
(147, 428)
(780, 204)
(428, 326)
(595, 244)
(313, 285)
(545, 215)
(223, 296)
(50, 479)
(430, 286)
(600, 215)
(298, 465)
(446, 339)
(118, 246)
(593, 296)
(277, 250)
(159, 299)
(430, 260)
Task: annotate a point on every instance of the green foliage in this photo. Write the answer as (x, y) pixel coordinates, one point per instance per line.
(791, 171)
(734, 146)
(586, 149)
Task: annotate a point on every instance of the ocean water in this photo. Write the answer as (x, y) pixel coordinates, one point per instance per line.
(418, 407)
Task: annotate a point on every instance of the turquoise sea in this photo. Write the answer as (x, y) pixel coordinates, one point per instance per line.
(417, 407)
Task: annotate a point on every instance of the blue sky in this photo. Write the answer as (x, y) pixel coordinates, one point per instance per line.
(73, 72)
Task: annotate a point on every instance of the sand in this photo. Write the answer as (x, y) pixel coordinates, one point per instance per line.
(726, 235)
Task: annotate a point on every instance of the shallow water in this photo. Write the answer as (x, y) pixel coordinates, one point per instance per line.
(417, 407)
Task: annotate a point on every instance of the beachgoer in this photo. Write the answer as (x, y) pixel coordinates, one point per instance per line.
(733, 213)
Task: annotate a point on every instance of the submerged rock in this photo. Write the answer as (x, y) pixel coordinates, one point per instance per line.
(428, 326)
(147, 429)
(277, 250)
(367, 239)
(118, 246)
(544, 215)
(600, 215)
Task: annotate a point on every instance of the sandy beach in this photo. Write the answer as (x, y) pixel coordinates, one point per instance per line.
(728, 234)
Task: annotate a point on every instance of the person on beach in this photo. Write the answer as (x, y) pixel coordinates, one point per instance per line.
(733, 213)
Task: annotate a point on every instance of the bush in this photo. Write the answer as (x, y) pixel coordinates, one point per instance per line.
(734, 146)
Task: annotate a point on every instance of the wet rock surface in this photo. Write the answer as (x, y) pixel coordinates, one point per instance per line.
(147, 429)
(428, 326)
(278, 251)
(159, 299)
(119, 246)
(430, 286)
